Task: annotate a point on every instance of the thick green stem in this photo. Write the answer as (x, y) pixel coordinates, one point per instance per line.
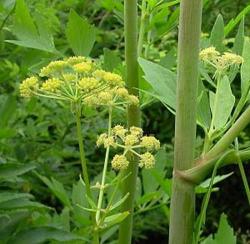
(183, 194)
(198, 173)
(82, 152)
(133, 115)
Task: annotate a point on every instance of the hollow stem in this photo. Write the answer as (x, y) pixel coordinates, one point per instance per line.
(183, 193)
(133, 116)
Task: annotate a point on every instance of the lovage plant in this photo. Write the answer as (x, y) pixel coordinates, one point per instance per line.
(80, 82)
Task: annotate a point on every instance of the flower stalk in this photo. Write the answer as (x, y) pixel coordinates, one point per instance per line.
(183, 193)
(133, 115)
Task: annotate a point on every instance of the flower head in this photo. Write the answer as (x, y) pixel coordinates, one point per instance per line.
(147, 160)
(119, 162)
(28, 85)
(130, 141)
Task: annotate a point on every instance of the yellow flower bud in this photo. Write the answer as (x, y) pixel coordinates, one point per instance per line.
(150, 143)
(27, 86)
(119, 162)
(147, 160)
(51, 85)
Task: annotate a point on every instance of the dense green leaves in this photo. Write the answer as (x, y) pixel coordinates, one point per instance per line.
(80, 34)
(57, 188)
(44, 234)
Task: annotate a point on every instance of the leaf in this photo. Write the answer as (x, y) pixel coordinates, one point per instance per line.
(239, 39)
(217, 179)
(7, 196)
(111, 60)
(28, 34)
(115, 219)
(225, 233)
(57, 188)
(121, 201)
(221, 103)
(203, 110)
(21, 203)
(43, 234)
(11, 170)
(233, 22)
(79, 201)
(217, 34)
(162, 80)
(150, 184)
(245, 70)
(80, 34)
(7, 110)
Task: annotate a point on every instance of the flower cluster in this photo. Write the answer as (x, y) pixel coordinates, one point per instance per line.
(221, 62)
(78, 79)
(130, 141)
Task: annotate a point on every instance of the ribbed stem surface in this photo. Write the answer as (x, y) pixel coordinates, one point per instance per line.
(133, 114)
(183, 195)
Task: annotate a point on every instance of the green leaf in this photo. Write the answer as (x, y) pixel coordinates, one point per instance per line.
(224, 95)
(11, 170)
(245, 70)
(42, 235)
(79, 201)
(225, 233)
(150, 184)
(7, 196)
(80, 34)
(117, 204)
(7, 110)
(57, 188)
(239, 39)
(203, 110)
(217, 34)
(21, 203)
(233, 22)
(115, 219)
(162, 80)
(28, 34)
(217, 179)
(111, 60)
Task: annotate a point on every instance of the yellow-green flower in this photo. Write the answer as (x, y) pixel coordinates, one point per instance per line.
(119, 162)
(147, 160)
(28, 85)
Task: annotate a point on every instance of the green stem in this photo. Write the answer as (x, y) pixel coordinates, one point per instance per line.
(142, 27)
(244, 177)
(183, 194)
(82, 152)
(104, 172)
(201, 219)
(230, 135)
(133, 115)
(198, 173)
